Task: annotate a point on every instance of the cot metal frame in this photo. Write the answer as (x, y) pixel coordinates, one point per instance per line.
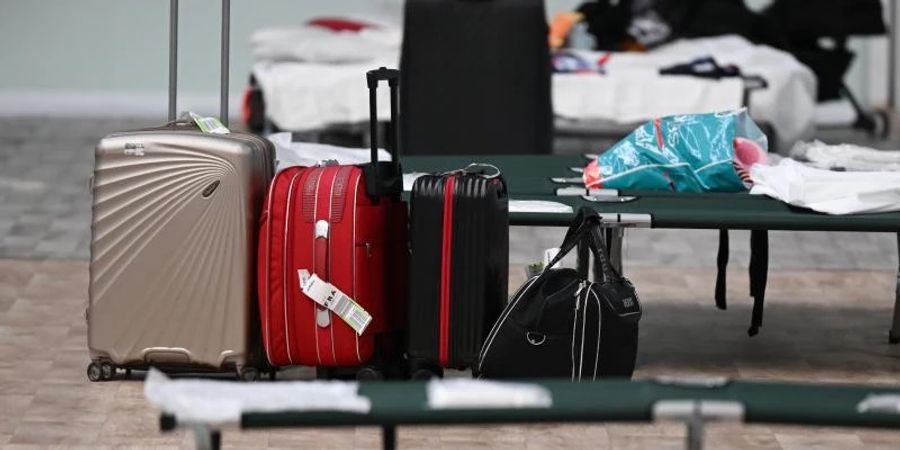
(894, 334)
(694, 414)
(693, 402)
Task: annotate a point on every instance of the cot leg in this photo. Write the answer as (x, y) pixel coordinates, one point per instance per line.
(206, 439)
(615, 237)
(695, 433)
(389, 437)
(894, 335)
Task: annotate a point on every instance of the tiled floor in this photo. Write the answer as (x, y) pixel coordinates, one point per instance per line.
(823, 326)
(827, 315)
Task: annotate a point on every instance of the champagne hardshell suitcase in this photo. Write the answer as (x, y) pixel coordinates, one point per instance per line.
(172, 272)
(459, 231)
(348, 226)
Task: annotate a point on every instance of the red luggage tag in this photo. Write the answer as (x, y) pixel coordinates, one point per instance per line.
(330, 297)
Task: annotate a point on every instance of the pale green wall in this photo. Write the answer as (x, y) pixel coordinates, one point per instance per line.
(120, 46)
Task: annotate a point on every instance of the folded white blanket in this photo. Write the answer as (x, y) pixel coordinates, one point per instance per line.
(460, 393)
(846, 157)
(308, 154)
(633, 85)
(220, 402)
(308, 95)
(828, 191)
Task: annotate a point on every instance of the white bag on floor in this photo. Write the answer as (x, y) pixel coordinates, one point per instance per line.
(828, 191)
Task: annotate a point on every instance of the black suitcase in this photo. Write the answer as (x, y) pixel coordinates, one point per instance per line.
(459, 238)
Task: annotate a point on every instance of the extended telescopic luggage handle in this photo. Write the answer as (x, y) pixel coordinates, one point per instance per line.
(173, 60)
(383, 178)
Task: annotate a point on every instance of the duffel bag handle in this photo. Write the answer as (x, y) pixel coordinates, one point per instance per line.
(587, 228)
(574, 234)
(585, 219)
(604, 272)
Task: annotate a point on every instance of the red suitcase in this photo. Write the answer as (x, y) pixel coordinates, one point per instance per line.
(347, 225)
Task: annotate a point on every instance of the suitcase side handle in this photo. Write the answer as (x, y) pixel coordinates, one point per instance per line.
(383, 178)
(224, 60)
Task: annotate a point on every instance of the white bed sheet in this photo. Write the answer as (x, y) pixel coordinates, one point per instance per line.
(304, 95)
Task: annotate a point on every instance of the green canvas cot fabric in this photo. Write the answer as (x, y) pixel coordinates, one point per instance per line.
(528, 178)
(405, 403)
(701, 211)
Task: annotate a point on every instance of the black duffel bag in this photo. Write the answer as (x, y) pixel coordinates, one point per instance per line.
(560, 324)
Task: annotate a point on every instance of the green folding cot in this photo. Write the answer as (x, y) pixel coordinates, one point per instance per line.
(557, 178)
(693, 402)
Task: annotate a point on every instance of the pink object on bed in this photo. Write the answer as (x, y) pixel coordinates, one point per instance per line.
(746, 154)
(339, 24)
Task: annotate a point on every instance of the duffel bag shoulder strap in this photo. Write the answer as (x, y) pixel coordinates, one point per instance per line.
(576, 233)
(620, 296)
(604, 272)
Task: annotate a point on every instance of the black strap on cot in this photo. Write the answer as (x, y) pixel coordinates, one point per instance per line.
(759, 269)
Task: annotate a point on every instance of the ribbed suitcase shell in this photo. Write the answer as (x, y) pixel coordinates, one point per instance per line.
(175, 215)
(478, 266)
(364, 255)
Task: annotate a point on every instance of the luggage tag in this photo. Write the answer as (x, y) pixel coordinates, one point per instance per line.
(330, 297)
(208, 124)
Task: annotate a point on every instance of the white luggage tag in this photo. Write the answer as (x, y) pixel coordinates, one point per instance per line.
(330, 297)
(208, 124)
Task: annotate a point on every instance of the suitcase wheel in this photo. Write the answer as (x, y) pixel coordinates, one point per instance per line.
(369, 373)
(324, 373)
(93, 372)
(423, 370)
(425, 374)
(273, 374)
(107, 371)
(104, 371)
(249, 374)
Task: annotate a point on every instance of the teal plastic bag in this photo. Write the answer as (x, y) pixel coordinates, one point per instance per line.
(684, 153)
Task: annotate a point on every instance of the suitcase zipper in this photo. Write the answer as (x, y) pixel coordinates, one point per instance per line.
(446, 276)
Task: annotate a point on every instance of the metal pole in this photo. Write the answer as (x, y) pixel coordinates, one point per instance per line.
(173, 57)
(894, 335)
(892, 56)
(206, 439)
(389, 437)
(695, 432)
(226, 45)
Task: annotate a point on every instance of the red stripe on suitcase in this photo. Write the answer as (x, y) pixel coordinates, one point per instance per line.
(446, 258)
